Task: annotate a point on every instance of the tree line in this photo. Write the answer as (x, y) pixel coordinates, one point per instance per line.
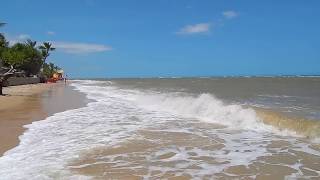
(27, 57)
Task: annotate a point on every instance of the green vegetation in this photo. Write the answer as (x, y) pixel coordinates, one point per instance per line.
(23, 57)
(45, 49)
(27, 57)
(50, 69)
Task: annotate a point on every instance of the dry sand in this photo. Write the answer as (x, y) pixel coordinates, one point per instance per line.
(27, 103)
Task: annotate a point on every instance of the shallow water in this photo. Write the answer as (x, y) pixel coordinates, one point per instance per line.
(175, 129)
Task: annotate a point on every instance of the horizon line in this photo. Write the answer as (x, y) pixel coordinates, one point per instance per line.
(181, 77)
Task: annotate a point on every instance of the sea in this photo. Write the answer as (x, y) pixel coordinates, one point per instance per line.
(177, 128)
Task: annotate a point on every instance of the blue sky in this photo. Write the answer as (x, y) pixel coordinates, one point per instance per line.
(147, 38)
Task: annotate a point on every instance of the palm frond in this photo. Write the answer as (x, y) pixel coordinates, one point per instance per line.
(31, 43)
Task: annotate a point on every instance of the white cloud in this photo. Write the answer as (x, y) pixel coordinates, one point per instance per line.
(195, 29)
(80, 48)
(23, 36)
(17, 38)
(68, 47)
(51, 33)
(12, 41)
(230, 14)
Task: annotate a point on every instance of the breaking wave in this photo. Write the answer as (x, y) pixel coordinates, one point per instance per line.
(208, 108)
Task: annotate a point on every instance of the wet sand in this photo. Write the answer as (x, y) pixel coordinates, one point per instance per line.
(27, 103)
(180, 155)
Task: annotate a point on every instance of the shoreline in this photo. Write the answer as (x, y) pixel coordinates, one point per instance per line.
(28, 103)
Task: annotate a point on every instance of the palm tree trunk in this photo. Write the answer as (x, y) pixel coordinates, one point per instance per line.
(4, 77)
(1, 84)
(3, 80)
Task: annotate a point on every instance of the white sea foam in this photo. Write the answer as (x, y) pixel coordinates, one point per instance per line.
(48, 145)
(116, 115)
(204, 107)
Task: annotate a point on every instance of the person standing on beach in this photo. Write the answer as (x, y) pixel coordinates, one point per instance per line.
(65, 79)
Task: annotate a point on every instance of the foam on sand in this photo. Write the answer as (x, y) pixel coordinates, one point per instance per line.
(129, 133)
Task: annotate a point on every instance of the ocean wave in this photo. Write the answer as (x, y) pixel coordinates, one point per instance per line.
(206, 107)
(117, 114)
(301, 126)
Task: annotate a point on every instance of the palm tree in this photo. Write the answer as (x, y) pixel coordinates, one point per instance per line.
(3, 41)
(46, 47)
(31, 43)
(1, 25)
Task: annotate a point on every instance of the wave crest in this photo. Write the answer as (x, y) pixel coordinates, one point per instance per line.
(210, 109)
(205, 107)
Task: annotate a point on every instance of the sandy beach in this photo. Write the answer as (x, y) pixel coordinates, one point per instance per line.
(27, 103)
